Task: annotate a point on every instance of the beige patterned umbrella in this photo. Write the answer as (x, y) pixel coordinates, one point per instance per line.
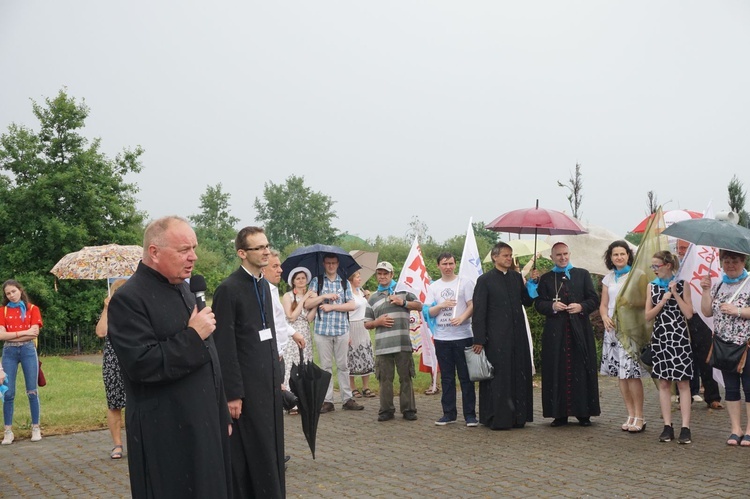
(99, 262)
(368, 260)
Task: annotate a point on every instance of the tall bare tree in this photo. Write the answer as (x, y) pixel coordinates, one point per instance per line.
(575, 186)
(418, 228)
(652, 203)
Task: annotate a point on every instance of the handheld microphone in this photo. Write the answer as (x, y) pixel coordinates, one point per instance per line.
(198, 288)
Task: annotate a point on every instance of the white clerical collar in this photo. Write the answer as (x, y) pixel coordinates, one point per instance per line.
(251, 274)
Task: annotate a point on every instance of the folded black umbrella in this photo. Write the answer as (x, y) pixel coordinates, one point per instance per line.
(309, 383)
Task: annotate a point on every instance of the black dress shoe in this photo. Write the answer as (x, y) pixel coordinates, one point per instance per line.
(386, 416)
(559, 422)
(584, 421)
(410, 416)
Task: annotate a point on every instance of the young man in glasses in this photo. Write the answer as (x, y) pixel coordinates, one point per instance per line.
(246, 340)
(334, 302)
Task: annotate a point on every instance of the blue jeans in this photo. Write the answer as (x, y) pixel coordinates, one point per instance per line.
(450, 356)
(26, 356)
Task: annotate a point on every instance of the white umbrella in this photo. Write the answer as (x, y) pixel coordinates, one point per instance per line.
(521, 247)
(587, 250)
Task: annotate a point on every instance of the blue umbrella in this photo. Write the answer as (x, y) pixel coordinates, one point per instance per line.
(311, 257)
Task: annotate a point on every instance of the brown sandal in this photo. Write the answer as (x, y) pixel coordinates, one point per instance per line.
(356, 394)
(367, 393)
(430, 391)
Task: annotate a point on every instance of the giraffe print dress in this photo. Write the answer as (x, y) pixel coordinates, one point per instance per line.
(670, 340)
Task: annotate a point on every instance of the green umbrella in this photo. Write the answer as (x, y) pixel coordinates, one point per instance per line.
(710, 232)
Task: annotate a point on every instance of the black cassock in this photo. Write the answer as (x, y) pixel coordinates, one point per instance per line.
(498, 323)
(176, 413)
(252, 373)
(570, 386)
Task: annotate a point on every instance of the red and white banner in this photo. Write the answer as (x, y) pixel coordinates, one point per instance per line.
(697, 262)
(415, 279)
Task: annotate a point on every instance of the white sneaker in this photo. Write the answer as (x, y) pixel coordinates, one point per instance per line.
(8, 438)
(697, 398)
(36, 433)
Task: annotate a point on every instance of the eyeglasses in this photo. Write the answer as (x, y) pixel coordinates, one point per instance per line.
(657, 267)
(258, 248)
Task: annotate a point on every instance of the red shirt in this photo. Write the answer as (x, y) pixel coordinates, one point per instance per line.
(10, 319)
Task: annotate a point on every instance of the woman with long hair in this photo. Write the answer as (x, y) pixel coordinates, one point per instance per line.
(113, 384)
(669, 307)
(615, 359)
(20, 322)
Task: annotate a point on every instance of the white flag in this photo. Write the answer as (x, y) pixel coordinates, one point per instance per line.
(471, 263)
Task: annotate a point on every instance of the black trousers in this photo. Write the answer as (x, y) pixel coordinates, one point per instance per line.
(700, 341)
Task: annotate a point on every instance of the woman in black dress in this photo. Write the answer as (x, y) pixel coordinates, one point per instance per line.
(669, 307)
(113, 385)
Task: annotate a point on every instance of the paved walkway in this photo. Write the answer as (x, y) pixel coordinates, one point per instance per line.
(359, 457)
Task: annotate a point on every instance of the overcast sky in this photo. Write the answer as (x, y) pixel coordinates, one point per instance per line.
(435, 109)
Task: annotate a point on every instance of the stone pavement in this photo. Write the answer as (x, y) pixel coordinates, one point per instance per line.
(359, 457)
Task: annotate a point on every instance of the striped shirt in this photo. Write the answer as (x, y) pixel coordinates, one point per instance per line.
(392, 339)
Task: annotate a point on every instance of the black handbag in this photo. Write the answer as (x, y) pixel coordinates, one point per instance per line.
(647, 356)
(727, 356)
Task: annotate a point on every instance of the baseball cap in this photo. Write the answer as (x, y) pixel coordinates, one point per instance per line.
(385, 266)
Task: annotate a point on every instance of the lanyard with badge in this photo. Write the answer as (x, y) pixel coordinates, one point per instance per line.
(265, 333)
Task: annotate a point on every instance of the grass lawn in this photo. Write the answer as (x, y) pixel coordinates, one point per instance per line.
(73, 399)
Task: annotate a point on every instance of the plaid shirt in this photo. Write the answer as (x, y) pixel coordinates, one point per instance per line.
(332, 323)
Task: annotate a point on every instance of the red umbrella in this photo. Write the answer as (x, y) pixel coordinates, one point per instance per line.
(670, 217)
(536, 221)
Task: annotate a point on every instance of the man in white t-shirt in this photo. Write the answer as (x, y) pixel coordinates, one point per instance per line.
(450, 304)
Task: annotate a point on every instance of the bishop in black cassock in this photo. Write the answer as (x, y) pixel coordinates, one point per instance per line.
(567, 297)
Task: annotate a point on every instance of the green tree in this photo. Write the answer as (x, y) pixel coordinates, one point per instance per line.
(575, 186)
(294, 214)
(215, 229)
(58, 193)
(484, 235)
(214, 225)
(737, 200)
